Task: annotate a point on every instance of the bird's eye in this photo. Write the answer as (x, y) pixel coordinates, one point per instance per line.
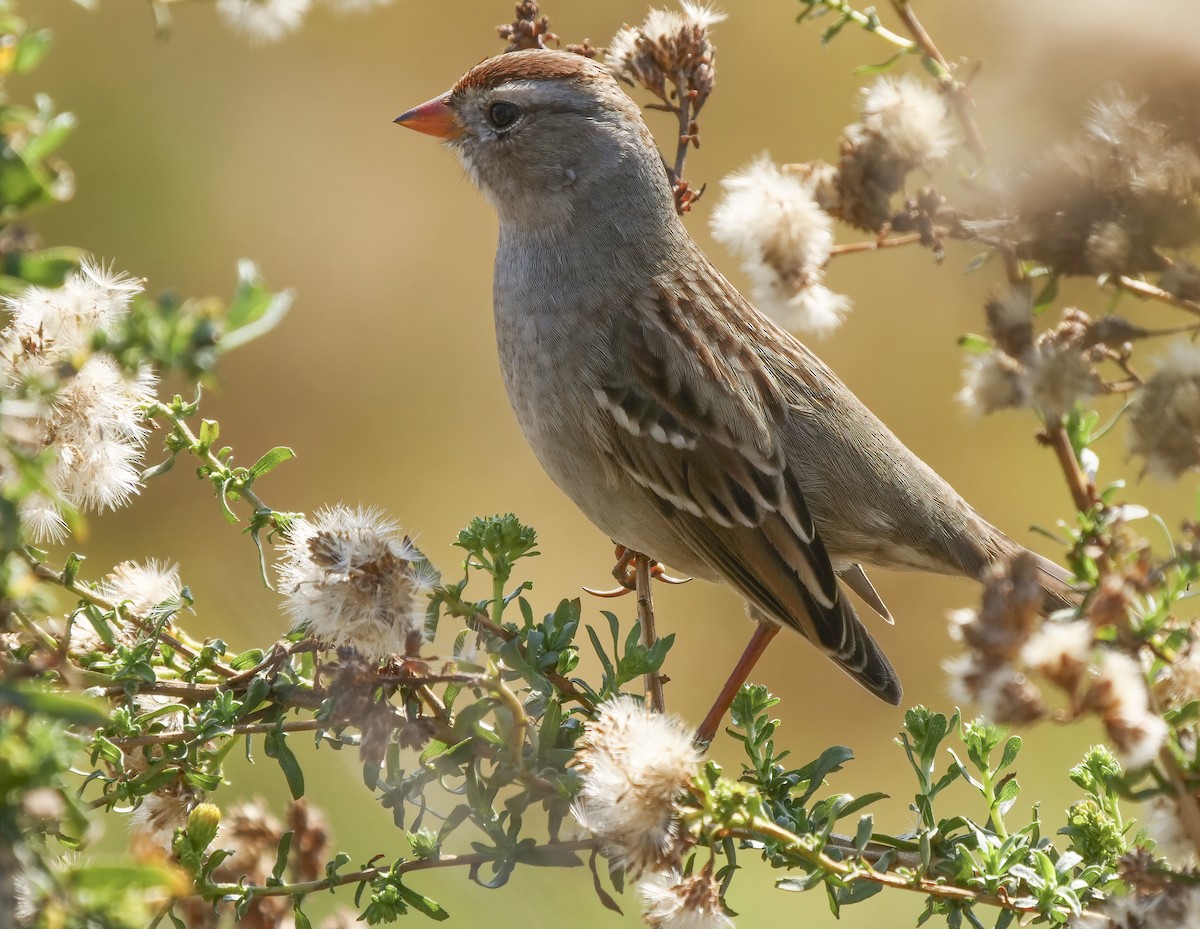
(502, 114)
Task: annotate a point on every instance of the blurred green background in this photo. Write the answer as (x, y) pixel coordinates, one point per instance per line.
(195, 150)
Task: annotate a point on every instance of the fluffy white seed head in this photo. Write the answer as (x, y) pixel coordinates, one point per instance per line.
(139, 589)
(1119, 694)
(991, 382)
(350, 578)
(142, 586)
(262, 22)
(771, 220)
(671, 901)
(1164, 421)
(1056, 376)
(1182, 683)
(158, 816)
(633, 764)
(1164, 824)
(910, 118)
(668, 45)
(1057, 648)
(92, 419)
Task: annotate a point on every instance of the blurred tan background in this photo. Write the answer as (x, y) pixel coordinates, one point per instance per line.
(196, 150)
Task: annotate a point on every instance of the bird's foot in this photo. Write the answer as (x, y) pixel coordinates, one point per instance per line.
(625, 571)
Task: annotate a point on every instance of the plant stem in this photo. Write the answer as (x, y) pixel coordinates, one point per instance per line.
(296, 725)
(91, 596)
(959, 94)
(180, 424)
(759, 828)
(516, 741)
(869, 23)
(1149, 291)
(561, 684)
(1082, 492)
(213, 891)
(645, 609)
(874, 245)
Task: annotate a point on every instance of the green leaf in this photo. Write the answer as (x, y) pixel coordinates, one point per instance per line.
(275, 745)
(281, 856)
(247, 659)
(33, 700)
(254, 310)
(866, 70)
(422, 904)
(975, 344)
(271, 460)
(31, 49)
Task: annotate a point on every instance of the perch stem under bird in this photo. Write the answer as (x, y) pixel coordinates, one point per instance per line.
(682, 421)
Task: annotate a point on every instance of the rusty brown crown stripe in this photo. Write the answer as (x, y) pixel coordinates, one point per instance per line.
(530, 65)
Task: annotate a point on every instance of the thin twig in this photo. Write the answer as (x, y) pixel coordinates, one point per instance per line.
(370, 874)
(561, 684)
(208, 457)
(684, 114)
(757, 829)
(1083, 494)
(960, 95)
(874, 245)
(296, 725)
(91, 596)
(1149, 291)
(645, 609)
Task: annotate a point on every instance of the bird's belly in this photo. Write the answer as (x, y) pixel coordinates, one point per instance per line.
(556, 423)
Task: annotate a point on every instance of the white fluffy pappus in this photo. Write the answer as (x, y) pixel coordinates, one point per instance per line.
(1164, 421)
(633, 763)
(671, 901)
(262, 22)
(910, 118)
(350, 578)
(771, 220)
(92, 420)
(1119, 694)
(991, 382)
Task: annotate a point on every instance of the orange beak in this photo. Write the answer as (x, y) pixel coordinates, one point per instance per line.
(433, 118)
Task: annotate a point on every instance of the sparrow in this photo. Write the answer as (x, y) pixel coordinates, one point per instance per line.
(683, 422)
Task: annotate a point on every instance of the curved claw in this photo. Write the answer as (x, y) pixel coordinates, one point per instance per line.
(609, 594)
(667, 579)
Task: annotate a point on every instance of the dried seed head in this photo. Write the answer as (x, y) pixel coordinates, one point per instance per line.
(141, 587)
(1010, 319)
(351, 579)
(771, 220)
(903, 126)
(92, 421)
(633, 763)
(991, 382)
(671, 901)
(527, 30)
(1112, 200)
(909, 117)
(670, 47)
(1057, 376)
(155, 820)
(1181, 683)
(1118, 693)
(1060, 651)
(1164, 421)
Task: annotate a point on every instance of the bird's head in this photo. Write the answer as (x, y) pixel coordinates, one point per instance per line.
(546, 135)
